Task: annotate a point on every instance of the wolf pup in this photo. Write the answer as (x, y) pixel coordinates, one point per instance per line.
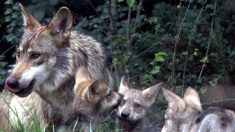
(186, 115)
(134, 106)
(93, 99)
(48, 57)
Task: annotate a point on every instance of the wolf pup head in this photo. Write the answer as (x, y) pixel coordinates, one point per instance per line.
(135, 103)
(93, 97)
(181, 111)
(215, 120)
(36, 54)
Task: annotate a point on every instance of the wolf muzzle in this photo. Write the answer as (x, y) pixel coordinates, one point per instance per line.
(12, 85)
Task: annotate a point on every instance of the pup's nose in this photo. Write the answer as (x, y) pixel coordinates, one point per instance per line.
(125, 114)
(12, 82)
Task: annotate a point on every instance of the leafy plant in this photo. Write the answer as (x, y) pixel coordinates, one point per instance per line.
(13, 22)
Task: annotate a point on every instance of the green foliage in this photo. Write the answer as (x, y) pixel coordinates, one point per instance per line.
(130, 2)
(159, 59)
(2, 72)
(13, 21)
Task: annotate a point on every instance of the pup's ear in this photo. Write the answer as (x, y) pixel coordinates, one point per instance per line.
(29, 22)
(81, 76)
(97, 87)
(151, 93)
(175, 103)
(61, 23)
(192, 99)
(123, 85)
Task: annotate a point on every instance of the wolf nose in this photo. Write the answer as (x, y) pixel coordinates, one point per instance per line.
(125, 114)
(12, 82)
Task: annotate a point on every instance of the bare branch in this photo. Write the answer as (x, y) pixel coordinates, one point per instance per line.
(209, 43)
(189, 43)
(113, 16)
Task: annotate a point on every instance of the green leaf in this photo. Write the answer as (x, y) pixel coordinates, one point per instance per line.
(185, 53)
(155, 70)
(54, 2)
(8, 11)
(195, 52)
(115, 61)
(160, 57)
(130, 2)
(120, 0)
(204, 60)
(8, 2)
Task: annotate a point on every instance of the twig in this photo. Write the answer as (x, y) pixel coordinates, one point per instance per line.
(189, 44)
(146, 50)
(112, 16)
(128, 26)
(175, 46)
(93, 7)
(137, 15)
(209, 43)
(7, 50)
(220, 101)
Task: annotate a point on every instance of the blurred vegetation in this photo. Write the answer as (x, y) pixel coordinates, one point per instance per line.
(182, 42)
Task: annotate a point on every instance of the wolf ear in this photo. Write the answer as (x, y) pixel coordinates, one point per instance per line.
(123, 85)
(151, 93)
(61, 23)
(97, 87)
(174, 101)
(94, 88)
(192, 98)
(29, 22)
(82, 75)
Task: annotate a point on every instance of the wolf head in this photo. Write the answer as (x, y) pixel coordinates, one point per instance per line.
(135, 103)
(36, 54)
(181, 112)
(215, 120)
(93, 97)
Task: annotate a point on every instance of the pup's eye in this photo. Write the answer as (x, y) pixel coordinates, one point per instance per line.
(35, 55)
(109, 95)
(18, 54)
(137, 105)
(122, 102)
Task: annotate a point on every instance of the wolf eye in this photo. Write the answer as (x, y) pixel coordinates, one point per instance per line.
(17, 54)
(109, 95)
(122, 102)
(137, 105)
(35, 55)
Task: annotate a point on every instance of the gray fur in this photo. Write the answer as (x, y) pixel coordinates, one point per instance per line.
(62, 53)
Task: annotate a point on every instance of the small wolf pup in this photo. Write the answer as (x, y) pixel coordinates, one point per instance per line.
(48, 57)
(93, 97)
(186, 115)
(134, 106)
(93, 100)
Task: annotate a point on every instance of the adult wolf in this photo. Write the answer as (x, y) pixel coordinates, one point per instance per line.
(48, 57)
